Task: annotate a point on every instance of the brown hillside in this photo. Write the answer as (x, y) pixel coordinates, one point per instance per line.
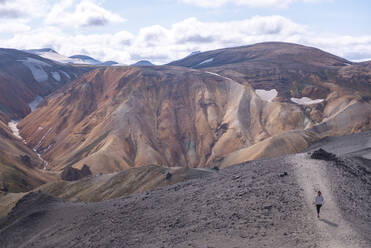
(116, 118)
(20, 168)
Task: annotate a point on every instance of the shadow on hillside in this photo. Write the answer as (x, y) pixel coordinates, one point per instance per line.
(333, 224)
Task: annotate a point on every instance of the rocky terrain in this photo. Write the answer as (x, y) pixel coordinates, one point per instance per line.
(263, 203)
(103, 187)
(108, 186)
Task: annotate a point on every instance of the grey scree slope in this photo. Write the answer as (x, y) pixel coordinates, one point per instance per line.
(249, 205)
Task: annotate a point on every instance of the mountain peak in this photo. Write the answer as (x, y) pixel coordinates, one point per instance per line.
(84, 59)
(41, 50)
(143, 63)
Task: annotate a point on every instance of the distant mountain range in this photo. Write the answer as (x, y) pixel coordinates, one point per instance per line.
(143, 63)
(51, 54)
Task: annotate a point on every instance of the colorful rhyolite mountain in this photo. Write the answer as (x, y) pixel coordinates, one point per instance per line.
(216, 108)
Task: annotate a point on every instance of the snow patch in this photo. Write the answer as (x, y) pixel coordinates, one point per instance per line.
(48, 148)
(56, 76)
(206, 61)
(216, 74)
(267, 95)
(83, 59)
(306, 101)
(36, 62)
(41, 140)
(33, 105)
(66, 74)
(56, 57)
(45, 163)
(13, 126)
(36, 68)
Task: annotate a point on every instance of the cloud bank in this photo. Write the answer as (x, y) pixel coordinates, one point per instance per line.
(84, 13)
(156, 43)
(14, 9)
(162, 45)
(251, 3)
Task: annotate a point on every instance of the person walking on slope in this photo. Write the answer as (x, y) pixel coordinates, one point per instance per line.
(319, 202)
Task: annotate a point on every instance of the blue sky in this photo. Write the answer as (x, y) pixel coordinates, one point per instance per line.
(164, 30)
(340, 16)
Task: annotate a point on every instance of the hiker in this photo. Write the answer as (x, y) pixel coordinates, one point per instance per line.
(319, 202)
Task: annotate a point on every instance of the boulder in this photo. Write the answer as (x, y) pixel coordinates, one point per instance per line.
(73, 174)
(323, 155)
(26, 160)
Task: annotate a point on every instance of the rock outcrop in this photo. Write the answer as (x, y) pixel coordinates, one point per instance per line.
(72, 174)
(323, 155)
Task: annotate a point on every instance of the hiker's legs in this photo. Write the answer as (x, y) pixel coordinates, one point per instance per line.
(318, 209)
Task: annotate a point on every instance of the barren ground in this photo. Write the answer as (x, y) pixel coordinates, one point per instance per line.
(253, 204)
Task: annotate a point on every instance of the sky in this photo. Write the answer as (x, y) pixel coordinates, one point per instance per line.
(165, 30)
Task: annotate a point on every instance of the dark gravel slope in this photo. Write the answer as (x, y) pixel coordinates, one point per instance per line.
(256, 204)
(246, 204)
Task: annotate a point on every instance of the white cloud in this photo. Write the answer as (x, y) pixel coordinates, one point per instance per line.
(355, 48)
(162, 45)
(16, 14)
(83, 13)
(100, 46)
(14, 26)
(251, 3)
(13, 9)
(182, 38)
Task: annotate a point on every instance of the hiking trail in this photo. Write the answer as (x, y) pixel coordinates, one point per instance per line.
(333, 230)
